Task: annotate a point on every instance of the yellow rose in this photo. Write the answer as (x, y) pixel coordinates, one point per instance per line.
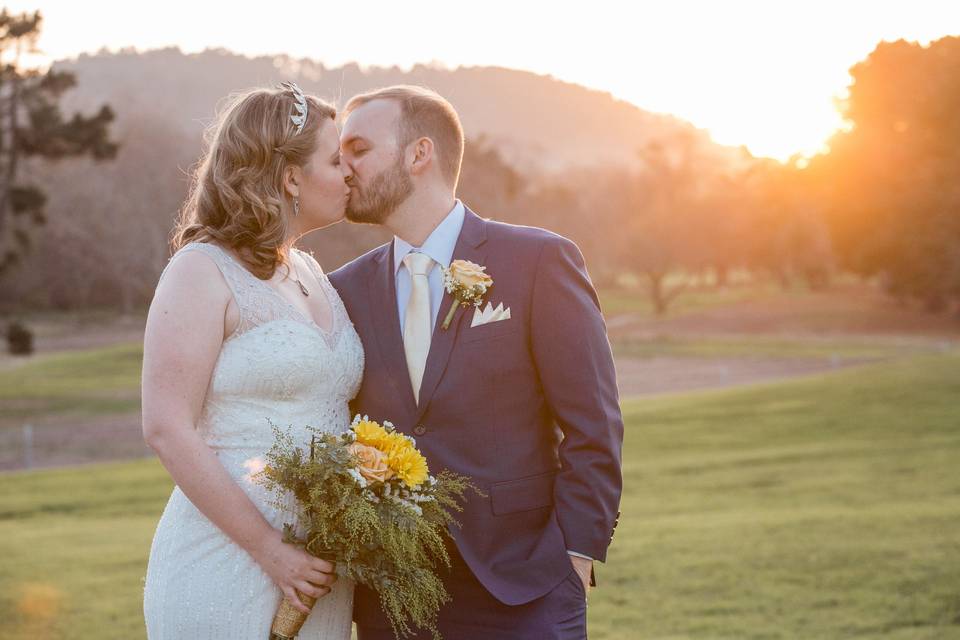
(469, 273)
(372, 463)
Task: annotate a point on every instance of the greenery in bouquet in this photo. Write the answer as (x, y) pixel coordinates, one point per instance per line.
(365, 499)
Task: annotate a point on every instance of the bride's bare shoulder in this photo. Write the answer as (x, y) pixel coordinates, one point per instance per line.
(195, 270)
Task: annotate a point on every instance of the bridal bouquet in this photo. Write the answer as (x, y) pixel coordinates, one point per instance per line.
(366, 501)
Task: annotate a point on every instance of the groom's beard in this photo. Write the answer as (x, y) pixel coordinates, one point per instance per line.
(373, 203)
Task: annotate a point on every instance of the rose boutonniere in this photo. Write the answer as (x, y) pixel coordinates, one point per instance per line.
(467, 283)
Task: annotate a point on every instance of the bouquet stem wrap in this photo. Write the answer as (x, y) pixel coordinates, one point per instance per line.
(288, 620)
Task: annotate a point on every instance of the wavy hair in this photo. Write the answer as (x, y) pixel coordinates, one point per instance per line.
(237, 197)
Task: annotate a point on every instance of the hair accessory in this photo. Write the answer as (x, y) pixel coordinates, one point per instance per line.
(300, 105)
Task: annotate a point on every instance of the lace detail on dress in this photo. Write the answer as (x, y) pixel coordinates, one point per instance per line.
(258, 303)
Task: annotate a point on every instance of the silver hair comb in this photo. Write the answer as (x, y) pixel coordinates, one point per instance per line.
(300, 105)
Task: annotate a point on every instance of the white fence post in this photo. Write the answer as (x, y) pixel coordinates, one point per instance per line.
(28, 445)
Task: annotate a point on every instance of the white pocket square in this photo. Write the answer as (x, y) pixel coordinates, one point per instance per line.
(489, 314)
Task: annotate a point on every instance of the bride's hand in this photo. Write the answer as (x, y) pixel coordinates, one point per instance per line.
(293, 569)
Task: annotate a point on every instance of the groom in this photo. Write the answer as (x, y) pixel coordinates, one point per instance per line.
(519, 395)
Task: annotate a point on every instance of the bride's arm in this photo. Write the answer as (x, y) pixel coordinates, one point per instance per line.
(185, 330)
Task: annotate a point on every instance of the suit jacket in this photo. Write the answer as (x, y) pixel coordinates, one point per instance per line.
(527, 407)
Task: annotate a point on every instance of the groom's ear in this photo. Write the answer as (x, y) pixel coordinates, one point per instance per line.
(423, 150)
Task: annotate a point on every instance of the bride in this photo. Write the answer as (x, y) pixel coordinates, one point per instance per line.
(244, 330)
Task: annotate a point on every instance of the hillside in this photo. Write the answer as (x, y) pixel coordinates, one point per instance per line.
(534, 120)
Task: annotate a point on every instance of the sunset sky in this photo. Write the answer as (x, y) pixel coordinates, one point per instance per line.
(762, 73)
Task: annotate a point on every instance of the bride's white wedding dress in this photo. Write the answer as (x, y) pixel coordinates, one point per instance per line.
(278, 366)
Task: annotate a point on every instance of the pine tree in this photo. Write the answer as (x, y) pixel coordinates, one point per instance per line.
(32, 125)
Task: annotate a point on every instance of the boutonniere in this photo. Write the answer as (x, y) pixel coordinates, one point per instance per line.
(467, 283)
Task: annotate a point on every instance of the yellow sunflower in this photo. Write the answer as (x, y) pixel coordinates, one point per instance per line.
(371, 434)
(396, 441)
(408, 464)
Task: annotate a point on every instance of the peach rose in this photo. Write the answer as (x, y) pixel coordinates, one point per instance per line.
(373, 463)
(469, 274)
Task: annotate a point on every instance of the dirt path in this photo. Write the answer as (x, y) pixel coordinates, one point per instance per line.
(65, 440)
(94, 331)
(844, 310)
(61, 440)
(665, 374)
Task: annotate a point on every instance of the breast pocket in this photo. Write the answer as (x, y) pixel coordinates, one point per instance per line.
(490, 330)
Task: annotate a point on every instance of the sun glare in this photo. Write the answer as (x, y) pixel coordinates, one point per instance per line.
(757, 73)
(795, 130)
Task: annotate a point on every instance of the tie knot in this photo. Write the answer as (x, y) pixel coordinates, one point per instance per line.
(418, 264)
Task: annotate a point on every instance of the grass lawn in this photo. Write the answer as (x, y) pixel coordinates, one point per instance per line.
(815, 509)
(822, 508)
(88, 382)
(73, 549)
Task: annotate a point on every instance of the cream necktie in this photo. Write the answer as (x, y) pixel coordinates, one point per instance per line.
(417, 325)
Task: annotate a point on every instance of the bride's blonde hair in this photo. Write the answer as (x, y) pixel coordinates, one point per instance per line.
(237, 197)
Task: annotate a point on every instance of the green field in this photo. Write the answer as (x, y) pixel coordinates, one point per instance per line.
(617, 300)
(822, 508)
(87, 382)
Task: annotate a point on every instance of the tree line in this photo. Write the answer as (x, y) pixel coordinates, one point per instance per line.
(78, 232)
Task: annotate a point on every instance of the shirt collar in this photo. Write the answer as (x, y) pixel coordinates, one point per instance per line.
(439, 245)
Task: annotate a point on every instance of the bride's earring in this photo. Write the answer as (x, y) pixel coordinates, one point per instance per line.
(296, 207)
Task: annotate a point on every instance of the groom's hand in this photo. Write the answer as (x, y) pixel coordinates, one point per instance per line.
(583, 566)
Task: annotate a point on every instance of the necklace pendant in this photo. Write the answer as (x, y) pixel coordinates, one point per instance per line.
(303, 289)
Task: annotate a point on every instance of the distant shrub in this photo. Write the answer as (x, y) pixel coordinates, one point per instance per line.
(19, 339)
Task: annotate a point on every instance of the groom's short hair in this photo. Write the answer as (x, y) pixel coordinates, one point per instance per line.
(423, 112)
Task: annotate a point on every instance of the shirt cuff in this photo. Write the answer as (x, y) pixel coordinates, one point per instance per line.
(579, 555)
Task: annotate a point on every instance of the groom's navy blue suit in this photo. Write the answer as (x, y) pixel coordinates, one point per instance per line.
(527, 407)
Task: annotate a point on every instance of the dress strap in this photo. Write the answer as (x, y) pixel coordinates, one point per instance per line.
(313, 264)
(253, 298)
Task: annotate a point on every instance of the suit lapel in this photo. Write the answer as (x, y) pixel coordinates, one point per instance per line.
(469, 247)
(383, 287)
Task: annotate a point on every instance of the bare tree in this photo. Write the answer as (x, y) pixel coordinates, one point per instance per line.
(31, 125)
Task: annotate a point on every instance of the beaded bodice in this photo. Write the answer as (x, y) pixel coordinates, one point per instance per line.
(278, 366)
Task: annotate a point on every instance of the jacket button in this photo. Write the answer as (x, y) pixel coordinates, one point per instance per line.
(419, 430)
